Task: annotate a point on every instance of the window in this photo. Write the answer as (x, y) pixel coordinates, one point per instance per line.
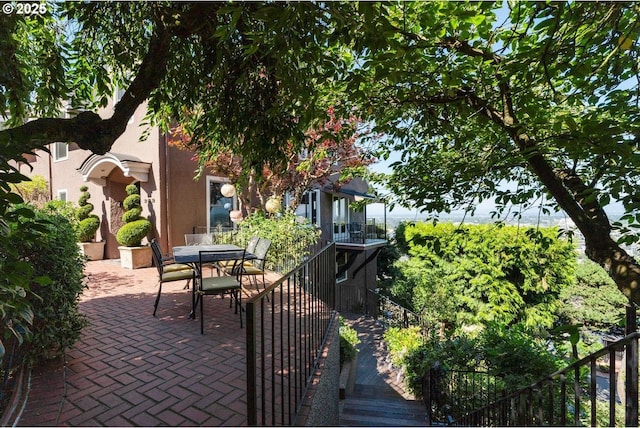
(218, 206)
(341, 261)
(119, 94)
(62, 195)
(60, 151)
(340, 217)
(309, 206)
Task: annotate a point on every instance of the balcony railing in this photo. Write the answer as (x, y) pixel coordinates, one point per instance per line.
(287, 326)
(358, 232)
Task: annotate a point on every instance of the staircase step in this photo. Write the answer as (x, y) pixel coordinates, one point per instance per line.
(372, 409)
(378, 399)
(376, 392)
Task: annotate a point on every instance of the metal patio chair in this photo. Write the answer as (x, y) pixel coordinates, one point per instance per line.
(217, 285)
(169, 272)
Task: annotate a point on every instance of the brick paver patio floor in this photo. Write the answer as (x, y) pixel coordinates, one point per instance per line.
(131, 369)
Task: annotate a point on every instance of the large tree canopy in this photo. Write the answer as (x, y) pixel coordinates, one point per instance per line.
(244, 77)
(544, 95)
(328, 154)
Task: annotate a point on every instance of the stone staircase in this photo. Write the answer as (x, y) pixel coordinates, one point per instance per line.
(379, 397)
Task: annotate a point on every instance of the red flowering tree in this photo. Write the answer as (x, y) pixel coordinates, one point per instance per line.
(332, 150)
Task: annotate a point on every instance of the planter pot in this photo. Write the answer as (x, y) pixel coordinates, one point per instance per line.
(135, 257)
(92, 250)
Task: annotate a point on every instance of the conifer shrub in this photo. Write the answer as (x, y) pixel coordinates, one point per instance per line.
(135, 227)
(88, 223)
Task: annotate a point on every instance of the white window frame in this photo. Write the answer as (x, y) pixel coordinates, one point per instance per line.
(339, 216)
(62, 194)
(54, 151)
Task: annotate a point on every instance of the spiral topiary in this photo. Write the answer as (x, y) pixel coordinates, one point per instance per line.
(88, 223)
(135, 227)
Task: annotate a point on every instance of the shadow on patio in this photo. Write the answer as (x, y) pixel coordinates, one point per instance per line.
(130, 368)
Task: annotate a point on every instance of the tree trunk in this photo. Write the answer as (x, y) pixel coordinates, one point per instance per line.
(571, 195)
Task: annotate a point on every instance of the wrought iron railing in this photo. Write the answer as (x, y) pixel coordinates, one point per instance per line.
(451, 394)
(391, 314)
(286, 329)
(573, 395)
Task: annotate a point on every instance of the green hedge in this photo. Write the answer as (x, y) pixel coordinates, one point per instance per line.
(57, 322)
(470, 275)
(290, 238)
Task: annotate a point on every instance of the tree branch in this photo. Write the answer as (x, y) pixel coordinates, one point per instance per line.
(464, 47)
(88, 129)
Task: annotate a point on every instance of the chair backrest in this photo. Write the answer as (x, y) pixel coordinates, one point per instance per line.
(355, 227)
(262, 248)
(251, 245)
(198, 239)
(209, 256)
(156, 253)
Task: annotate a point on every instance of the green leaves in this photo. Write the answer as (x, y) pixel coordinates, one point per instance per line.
(494, 274)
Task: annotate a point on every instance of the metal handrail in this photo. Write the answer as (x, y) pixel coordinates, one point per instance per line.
(392, 314)
(538, 403)
(287, 325)
(356, 232)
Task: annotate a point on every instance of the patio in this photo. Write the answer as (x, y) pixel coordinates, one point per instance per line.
(130, 368)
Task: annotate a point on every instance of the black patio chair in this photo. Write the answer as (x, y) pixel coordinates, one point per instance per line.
(217, 285)
(227, 265)
(255, 268)
(169, 272)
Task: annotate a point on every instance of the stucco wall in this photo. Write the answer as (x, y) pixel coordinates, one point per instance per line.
(170, 198)
(320, 406)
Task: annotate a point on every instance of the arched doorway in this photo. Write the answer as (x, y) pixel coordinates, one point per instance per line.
(113, 172)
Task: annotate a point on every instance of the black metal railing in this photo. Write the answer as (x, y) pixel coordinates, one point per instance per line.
(391, 314)
(287, 326)
(573, 395)
(358, 232)
(451, 394)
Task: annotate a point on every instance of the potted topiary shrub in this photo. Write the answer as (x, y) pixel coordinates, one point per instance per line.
(87, 227)
(132, 254)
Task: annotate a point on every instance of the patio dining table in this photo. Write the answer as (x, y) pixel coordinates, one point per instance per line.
(190, 254)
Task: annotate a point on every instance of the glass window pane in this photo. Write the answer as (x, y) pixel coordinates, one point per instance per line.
(60, 151)
(219, 207)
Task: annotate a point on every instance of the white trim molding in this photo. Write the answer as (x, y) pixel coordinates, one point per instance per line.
(96, 168)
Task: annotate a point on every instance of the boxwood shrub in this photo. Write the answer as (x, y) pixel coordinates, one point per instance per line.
(57, 322)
